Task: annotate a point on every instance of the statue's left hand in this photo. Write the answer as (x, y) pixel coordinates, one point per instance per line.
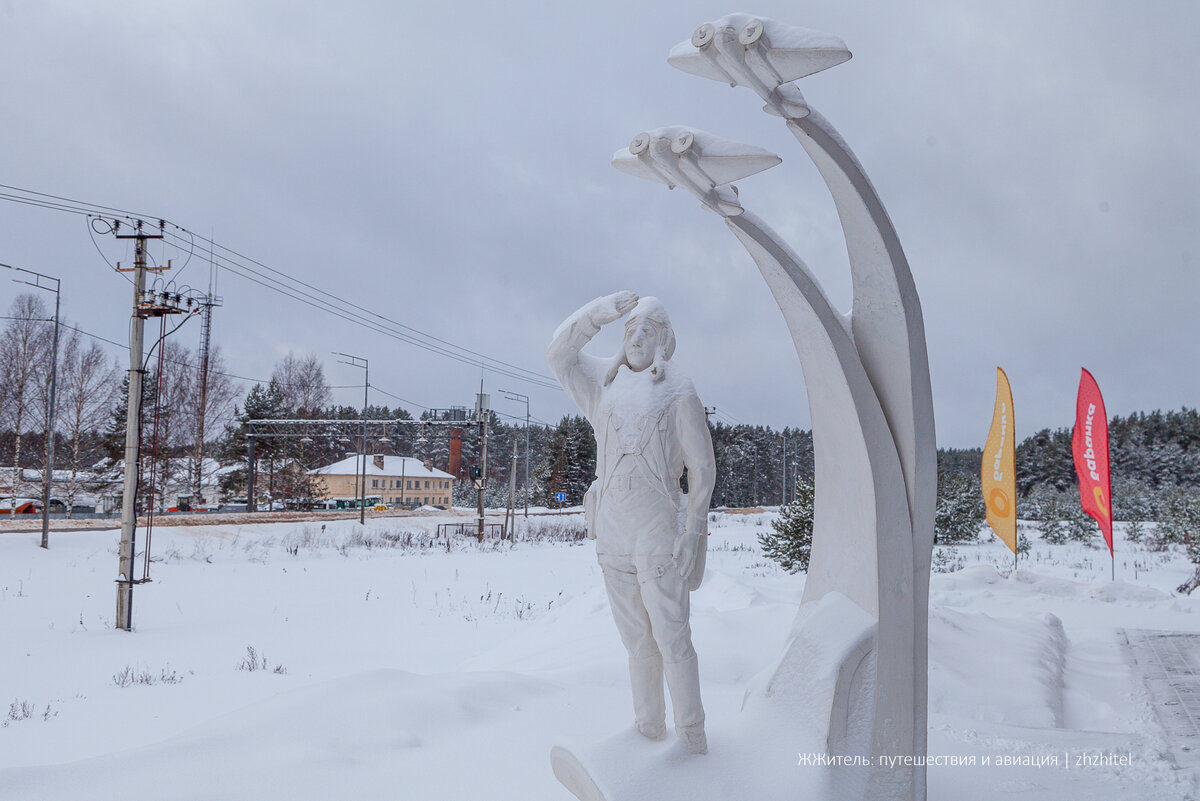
(684, 553)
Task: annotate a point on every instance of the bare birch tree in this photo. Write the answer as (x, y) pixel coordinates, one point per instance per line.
(302, 380)
(90, 385)
(24, 353)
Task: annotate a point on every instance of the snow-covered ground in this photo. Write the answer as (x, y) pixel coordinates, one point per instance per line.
(282, 662)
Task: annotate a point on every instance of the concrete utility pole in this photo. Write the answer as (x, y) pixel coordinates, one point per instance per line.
(133, 414)
(517, 396)
(510, 511)
(48, 472)
(481, 415)
(359, 361)
(251, 471)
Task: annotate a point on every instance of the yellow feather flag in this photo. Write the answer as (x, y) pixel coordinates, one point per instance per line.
(998, 474)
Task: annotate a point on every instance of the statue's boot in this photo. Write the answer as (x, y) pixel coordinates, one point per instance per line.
(683, 680)
(649, 704)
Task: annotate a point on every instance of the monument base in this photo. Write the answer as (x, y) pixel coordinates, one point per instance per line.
(802, 725)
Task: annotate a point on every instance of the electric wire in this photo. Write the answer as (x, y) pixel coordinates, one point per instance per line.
(264, 381)
(236, 262)
(402, 400)
(350, 314)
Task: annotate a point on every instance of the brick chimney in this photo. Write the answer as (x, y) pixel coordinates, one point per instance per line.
(379, 461)
(455, 466)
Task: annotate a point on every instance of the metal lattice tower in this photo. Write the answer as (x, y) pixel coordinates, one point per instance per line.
(210, 301)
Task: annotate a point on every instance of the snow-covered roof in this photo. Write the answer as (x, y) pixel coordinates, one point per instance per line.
(7, 503)
(30, 474)
(392, 466)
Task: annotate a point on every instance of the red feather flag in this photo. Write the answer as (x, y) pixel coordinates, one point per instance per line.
(1089, 443)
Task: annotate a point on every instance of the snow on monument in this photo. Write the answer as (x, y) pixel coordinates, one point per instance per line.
(852, 680)
(649, 426)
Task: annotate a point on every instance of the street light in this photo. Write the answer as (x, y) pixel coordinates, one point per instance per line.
(49, 469)
(517, 396)
(359, 361)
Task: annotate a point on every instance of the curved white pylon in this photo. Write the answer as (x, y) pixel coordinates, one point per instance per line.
(886, 320)
(889, 334)
(861, 534)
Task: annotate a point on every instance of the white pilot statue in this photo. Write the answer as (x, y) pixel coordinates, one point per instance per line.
(650, 536)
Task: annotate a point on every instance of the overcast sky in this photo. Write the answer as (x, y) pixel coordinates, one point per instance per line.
(449, 167)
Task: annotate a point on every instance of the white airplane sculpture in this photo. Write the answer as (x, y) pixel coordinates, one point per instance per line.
(852, 682)
(698, 161)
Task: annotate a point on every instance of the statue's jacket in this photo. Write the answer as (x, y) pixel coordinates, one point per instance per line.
(649, 426)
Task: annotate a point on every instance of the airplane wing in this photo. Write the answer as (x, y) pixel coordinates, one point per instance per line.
(793, 52)
(722, 160)
(793, 64)
(727, 169)
(628, 163)
(687, 57)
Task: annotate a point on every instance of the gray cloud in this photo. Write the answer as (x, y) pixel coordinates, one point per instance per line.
(449, 167)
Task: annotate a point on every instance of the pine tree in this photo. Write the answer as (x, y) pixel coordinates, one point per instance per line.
(1180, 520)
(262, 403)
(960, 510)
(113, 437)
(1080, 527)
(1052, 521)
(1181, 523)
(790, 543)
(570, 462)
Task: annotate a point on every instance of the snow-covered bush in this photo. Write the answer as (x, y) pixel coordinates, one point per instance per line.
(1061, 519)
(552, 528)
(945, 560)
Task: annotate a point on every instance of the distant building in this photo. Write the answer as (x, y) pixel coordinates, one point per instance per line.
(394, 480)
(24, 506)
(98, 490)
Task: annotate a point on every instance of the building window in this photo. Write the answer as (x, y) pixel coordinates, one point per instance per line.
(426, 485)
(374, 483)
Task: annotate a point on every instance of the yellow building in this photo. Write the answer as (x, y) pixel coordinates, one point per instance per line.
(393, 480)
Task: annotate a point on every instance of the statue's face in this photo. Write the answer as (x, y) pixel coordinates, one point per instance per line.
(642, 339)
